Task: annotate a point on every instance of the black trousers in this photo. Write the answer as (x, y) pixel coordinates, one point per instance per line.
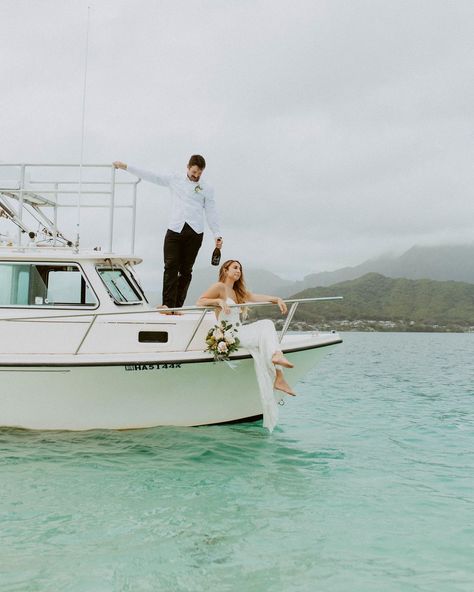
(180, 250)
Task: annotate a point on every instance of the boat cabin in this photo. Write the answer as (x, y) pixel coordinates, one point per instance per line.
(58, 298)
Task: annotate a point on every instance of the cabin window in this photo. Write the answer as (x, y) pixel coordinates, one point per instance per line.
(44, 284)
(119, 286)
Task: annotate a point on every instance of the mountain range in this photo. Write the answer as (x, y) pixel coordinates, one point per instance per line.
(443, 263)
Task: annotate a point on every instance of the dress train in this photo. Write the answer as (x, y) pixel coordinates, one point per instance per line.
(261, 340)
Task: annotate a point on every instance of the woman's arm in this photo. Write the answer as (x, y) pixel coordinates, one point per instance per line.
(266, 298)
(214, 296)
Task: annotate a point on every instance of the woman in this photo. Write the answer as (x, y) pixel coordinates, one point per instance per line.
(260, 338)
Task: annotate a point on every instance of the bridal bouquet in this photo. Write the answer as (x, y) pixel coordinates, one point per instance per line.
(222, 341)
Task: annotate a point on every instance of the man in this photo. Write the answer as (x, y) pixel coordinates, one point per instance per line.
(191, 198)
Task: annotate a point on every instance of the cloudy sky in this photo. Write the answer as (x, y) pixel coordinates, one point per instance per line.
(334, 131)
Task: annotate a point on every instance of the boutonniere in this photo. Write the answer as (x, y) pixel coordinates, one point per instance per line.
(197, 189)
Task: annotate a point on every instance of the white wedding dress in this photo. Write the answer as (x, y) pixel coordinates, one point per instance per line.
(261, 339)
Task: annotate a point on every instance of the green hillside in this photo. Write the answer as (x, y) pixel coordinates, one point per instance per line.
(374, 301)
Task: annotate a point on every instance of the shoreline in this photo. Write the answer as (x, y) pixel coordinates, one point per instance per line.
(371, 326)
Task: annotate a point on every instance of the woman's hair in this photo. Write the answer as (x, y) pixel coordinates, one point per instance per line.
(240, 288)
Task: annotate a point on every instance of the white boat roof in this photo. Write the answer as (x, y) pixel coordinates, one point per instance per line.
(35, 253)
(35, 196)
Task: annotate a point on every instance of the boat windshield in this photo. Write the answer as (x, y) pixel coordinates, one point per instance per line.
(24, 284)
(119, 286)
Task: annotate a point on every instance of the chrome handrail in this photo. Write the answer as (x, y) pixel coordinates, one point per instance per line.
(185, 309)
(288, 319)
(196, 328)
(25, 188)
(94, 318)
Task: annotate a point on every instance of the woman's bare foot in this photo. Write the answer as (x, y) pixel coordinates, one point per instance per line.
(280, 384)
(279, 358)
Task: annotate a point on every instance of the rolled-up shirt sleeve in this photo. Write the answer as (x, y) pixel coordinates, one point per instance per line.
(212, 216)
(156, 178)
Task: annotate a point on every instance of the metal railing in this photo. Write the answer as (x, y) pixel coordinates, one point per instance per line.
(34, 194)
(184, 310)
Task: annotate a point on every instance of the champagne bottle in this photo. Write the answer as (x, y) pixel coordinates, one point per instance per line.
(216, 256)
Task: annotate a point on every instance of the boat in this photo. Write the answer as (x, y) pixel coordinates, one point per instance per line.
(82, 348)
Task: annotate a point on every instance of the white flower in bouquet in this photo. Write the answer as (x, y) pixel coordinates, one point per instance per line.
(222, 347)
(218, 334)
(229, 337)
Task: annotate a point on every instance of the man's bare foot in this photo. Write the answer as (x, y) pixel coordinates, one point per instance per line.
(280, 384)
(162, 308)
(279, 358)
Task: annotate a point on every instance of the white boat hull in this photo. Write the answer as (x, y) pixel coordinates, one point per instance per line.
(114, 394)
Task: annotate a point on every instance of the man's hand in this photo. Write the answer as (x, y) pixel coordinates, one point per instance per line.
(120, 165)
(219, 242)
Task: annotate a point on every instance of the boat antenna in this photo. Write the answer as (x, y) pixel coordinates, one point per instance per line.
(83, 129)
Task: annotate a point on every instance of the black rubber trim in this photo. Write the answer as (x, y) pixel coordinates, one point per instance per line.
(252, 418)
(133, 362)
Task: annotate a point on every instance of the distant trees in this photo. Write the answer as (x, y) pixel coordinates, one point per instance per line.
(394, 304)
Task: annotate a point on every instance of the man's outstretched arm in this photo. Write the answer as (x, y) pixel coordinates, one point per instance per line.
(158, 179)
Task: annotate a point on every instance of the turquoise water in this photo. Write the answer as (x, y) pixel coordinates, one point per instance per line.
(366, 485)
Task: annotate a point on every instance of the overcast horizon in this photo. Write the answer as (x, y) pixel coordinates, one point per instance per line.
(334, 132)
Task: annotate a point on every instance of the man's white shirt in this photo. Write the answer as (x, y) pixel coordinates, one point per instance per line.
(189, 201)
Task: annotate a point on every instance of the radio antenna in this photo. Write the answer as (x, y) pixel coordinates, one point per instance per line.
(83, 129)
